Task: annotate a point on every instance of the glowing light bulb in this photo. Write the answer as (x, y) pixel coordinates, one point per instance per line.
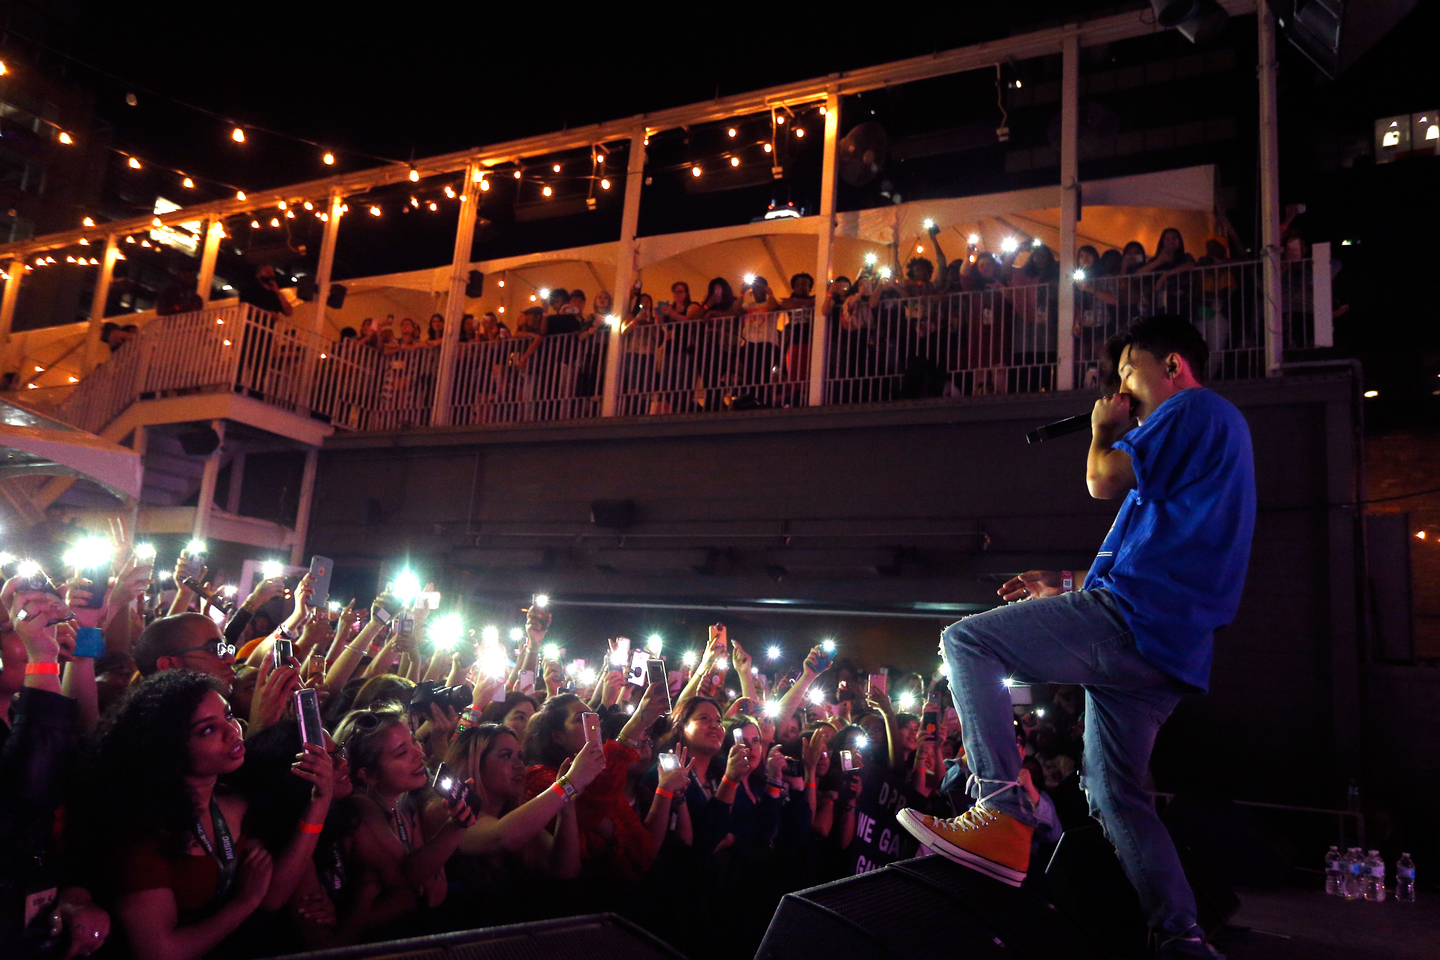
(799, 131)
(188, 184)
(65, 138)
(604, 184)
(556, 168)
(1420, 535)
(484, 185)
(517, 174)
(328, 159)
(237, 135)
(450, 191)
(1371, 394)
(919, 248)
(768, 148)
(255, 224)
(732, 132)
(546, 190)
(780, 118)
(374, 211)
(134, 163)
(239, 194)
(282, 205)
(434, 205)
(973, 239)
(695, 171)
(414, 175)
(414, 202)
(88, 222)
(3, 70)
(274, 221)
(734, 161)
(822, 110)
(502, 283)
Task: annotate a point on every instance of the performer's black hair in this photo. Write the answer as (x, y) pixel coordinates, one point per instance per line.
(1158, 336)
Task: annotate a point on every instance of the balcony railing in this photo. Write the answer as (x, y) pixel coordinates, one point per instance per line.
(1000, 341)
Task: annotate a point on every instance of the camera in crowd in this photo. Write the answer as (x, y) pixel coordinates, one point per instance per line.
(427, 692)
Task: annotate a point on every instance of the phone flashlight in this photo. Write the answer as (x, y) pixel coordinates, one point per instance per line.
(270, 569)
(929, 224)
(145, 552)
(551, 651)
(828, 646)
(974, 239)
(885, 273)
(195, 547)
(871, 259)
(749, 279)
(541, 600)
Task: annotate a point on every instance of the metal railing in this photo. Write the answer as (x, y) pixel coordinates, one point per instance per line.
(948, 345)
(745, 362)
(879, 349)
(527, 378)
(1225, 302)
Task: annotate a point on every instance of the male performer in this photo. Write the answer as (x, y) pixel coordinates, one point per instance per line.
(1137, 635)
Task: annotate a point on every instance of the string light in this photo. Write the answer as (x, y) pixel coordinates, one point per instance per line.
(414, 202)
(84, 242)
(374, 211)
(517, 174)
(732, 132)
(65, 138)
(274, 221)
(188, 184)
(478, 176)
(434, 205)
(255, 224)
(822, 110)
(282, 204)
(289, 214)
(3, 69)
(502, 283)
(239, 194)
(974, 239)
(88, 222)
(134, 164)
(484, 184)
(414, 175)
(329, 159)
(324, 217)
(129, 239)
(734, 161)
(309, 205)
(799, 131)
(780, 118)
(237, 135)
(604, 184)
(557, 168)
(450, 192)
(546, 190)
(695, 171)
(768, 148)
(156, 222)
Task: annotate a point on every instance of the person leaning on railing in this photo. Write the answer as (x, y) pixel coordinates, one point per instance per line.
(264, 292)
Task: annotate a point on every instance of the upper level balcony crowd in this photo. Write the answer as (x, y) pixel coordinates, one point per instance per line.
(973, 323)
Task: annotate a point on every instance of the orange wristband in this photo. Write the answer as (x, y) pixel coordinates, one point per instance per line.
(668, 795)
(311, 827)
(733, 783)
(52, 669)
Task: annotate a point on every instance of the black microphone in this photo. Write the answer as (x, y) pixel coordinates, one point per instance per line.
(1059, 428)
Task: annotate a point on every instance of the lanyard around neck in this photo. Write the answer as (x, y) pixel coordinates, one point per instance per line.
(225, 857)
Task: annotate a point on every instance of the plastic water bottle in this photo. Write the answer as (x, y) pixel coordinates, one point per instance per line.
(1353, 863)
(1374, 877)
(1334, 876)
(1405, 879)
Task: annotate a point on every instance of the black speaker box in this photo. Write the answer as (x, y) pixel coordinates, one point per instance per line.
(198, 443)
(336, 299)
(600, 936)
(475, 285)
(927, 907)
(1088, 883)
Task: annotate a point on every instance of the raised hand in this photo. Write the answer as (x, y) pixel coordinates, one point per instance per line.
(737, 764)
(675, 781)
(588, 764)
(740, 659)
(314, 764)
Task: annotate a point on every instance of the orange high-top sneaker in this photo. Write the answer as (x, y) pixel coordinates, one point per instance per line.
(982, 838)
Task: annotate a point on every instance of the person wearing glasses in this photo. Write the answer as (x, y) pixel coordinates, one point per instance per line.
(189, 641)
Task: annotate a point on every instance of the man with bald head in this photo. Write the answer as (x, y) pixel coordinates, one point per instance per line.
(188, 641)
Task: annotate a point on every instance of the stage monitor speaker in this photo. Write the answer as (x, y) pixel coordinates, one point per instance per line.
(927, 907)
(1336, 33)
(336, 299)
(198, 443)
(1088, 883)
(600, 936)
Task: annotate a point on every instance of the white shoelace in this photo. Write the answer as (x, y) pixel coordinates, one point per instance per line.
(981, 814)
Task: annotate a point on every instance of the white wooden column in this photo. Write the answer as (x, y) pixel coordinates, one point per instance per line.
(824, 249)
(1270, 190)
(307, 497)
(91, 359)
(205, 279)
(206, 501)
(16, 272)
(326, 260)
(624, 268)
(455, 303)
(1069, 210)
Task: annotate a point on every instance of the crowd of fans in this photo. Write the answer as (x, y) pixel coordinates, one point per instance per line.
(162, 793)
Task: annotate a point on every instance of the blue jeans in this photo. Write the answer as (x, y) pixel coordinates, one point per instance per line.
(1078, 638)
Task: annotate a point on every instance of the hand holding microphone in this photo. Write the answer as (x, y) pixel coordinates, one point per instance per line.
(1111, 412)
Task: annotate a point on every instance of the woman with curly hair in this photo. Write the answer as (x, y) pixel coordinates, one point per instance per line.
(183, 874)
